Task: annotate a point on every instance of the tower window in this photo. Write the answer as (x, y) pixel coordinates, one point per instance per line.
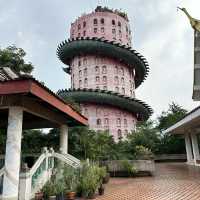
(123, 90)
(122, 81)
(118, 122)
(80, 73)
(95, 30)
(105, 87)
(98, 122)
(113, 22)
(84, 24)
(125, 122)
(85, 61)
(104, 79)
(102, 30)
(79, 27)
(116, 70)
(106, 121)
(113, 31)
(86, 82)
(127, 29)
(119, 24)
(116, 89)
(80, 83)
(97, 70)
(97, 79)
(95, 21)
(119, 133)
(116, 80)
(79, 63)
(104, 69)
(102, 21)
(85, 72)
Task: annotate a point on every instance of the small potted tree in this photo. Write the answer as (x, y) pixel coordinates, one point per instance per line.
(49, 190)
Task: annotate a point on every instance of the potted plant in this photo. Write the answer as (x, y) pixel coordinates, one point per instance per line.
(39, 195)
(49, 190)
(101, 189)
(60, 188)
(70, 181)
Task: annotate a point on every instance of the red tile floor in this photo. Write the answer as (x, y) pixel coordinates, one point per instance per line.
(172, 181)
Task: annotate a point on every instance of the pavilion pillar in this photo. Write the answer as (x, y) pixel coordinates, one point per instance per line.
(188, 148)
(64, 139)
(13, 154)
(195, 148)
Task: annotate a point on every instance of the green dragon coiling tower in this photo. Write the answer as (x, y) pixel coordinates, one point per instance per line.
(105, 71)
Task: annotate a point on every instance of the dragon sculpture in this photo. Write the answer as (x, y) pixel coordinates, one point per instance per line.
(195, 23)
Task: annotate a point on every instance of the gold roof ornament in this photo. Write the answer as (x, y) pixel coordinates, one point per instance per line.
(195, 23)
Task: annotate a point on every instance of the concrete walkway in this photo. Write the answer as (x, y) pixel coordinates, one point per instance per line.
(172, 181)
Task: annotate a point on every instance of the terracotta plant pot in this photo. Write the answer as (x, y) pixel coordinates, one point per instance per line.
(52, 197)
(39, 196)
(106, 178)
(101, 190)
(71, 195)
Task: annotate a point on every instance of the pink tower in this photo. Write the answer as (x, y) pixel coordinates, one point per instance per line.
(105, 71)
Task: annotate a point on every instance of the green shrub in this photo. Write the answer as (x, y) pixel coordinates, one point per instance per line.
(128, 167)
(142, 152)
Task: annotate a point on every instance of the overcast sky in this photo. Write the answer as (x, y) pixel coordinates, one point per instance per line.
(160, 33)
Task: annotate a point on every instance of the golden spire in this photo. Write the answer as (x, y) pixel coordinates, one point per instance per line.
(195, 23)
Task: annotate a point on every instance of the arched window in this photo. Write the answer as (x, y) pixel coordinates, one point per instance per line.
(102, 21)
(116, 80)
(97, 70)
(85, 72)
(122, 71)
(122, 81)
(126, 132)
(119, 24)
(85, 82)
(84, 24)
(113, 31)
(84, 33)
(98, 122)
(104, 79)
(97, 79)
(79, 35)
(85, 61)
(127, 29)
(123, 90)
(105, 87)
(95, 21)
(113, 22)
(125, 122)
(116, 89)
(106, 121)
(79, 63)
(102, 30)
(104, 69)
(80, 73)
(80, 83)
(95, 30)
(119, 134)
(79, 27)
(116, 70)
(118, 122)
(120, 33)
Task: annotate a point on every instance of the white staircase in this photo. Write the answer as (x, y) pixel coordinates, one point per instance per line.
(34, 179)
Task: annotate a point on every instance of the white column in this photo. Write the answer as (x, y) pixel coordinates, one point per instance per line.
(195, 147)
(13, 151)
(64, 139)
(188, 148)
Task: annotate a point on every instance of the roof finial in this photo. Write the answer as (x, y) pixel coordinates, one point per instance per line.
(195, 23)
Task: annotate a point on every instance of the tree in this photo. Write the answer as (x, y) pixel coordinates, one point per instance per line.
(171, 144)
(13, 58)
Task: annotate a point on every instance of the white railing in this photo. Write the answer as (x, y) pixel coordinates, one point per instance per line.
(32, 180)
(2, 171)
